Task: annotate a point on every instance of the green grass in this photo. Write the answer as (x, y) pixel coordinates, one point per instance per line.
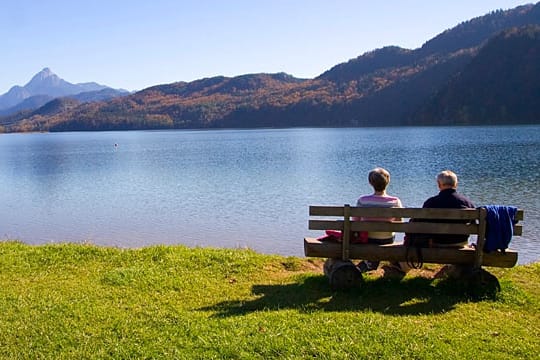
(87, 302)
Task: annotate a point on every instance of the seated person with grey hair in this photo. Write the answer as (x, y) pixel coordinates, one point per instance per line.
(448, 197)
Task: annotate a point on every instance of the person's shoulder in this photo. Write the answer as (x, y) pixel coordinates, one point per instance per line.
(367, 197)
(463, 198)
(394, 199)
(379, 201)
(429, 202)
(362, 200)
(467, 201)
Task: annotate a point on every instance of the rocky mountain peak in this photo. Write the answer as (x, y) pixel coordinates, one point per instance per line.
(46, 85)
(43, 80)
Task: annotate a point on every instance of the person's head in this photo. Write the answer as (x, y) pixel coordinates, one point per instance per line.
(379, 179)
(447, 180)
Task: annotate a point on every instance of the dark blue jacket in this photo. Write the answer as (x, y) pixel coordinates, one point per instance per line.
(449, 198)
(500, 227)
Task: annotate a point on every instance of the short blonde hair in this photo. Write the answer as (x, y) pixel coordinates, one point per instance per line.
(379, 178)
(448, 178)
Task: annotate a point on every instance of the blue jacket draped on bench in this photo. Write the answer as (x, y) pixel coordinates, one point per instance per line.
(499, 227)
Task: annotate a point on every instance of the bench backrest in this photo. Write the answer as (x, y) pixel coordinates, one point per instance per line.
(335, 218)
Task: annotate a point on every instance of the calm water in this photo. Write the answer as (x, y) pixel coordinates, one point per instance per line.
(246, 188)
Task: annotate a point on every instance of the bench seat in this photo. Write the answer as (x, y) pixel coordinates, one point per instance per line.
(398, 252)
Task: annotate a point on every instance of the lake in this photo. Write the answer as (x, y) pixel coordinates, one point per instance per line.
(247, 188)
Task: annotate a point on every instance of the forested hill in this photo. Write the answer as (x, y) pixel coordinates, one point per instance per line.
(483, 71)
(501, 83)
(468, 34)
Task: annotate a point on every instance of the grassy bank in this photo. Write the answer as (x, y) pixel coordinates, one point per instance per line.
(80, 302)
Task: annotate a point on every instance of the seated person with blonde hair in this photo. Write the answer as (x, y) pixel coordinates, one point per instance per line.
(379, 179)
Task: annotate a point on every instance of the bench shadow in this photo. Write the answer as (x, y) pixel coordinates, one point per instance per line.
(394, 296)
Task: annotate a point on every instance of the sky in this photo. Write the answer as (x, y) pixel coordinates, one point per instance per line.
(134, 44)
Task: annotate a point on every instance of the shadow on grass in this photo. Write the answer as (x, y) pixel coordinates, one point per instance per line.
(394, 296)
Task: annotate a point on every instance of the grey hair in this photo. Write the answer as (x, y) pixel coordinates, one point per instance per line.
(447, 178)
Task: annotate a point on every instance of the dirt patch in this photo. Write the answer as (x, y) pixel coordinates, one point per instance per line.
(313, 265)
(385, 269)
(428, 271)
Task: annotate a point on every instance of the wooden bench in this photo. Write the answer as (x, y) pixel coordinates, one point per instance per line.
(473, 222)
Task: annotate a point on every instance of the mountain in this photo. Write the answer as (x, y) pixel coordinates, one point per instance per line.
(45, 86)
(201, 103)
(51, 108)
(468, 34)
(32, 102)
(368, 63)
(99, 95)
(482, 71)
(475, 31)
(48, 83)
(501, 84)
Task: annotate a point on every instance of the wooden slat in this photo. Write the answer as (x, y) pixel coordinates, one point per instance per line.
(419, 213)
(427, 213)
(414, 227)
(397, 252)
(431, 228)
(325, 225)
(456, 214)
(346, 233)
(479, 253)
(316, 210)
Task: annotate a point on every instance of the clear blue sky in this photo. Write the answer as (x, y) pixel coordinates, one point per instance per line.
(134, 44)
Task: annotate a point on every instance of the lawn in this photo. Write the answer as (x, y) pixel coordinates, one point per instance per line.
(72, 301)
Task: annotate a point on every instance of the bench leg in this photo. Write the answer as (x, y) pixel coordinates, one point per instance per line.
(342, 274)
(482, 284)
